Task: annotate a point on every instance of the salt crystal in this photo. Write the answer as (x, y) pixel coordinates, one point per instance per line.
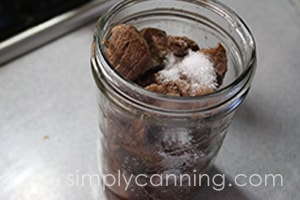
(194, 69)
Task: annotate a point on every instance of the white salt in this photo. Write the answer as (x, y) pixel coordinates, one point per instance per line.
(194, 69)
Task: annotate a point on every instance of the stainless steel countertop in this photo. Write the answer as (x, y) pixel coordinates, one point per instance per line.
(48, 115)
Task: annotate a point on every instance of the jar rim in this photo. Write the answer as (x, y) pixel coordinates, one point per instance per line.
(243, 79)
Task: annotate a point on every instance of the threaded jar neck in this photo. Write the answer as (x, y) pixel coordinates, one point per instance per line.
(209, 17)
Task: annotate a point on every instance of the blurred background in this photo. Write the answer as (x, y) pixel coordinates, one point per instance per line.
(19, 15)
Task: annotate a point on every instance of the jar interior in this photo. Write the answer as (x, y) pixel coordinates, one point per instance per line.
(202, 22)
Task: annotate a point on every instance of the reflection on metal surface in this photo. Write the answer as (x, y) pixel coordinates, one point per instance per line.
(296, 4)
(51, 29)
(30, 178)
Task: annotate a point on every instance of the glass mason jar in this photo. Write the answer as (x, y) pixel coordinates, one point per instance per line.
(154, 146)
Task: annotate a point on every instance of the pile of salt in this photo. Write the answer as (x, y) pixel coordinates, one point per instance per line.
(195, 69)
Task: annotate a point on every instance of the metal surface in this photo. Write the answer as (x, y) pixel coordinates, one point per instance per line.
(51, 29)
(49, 128)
